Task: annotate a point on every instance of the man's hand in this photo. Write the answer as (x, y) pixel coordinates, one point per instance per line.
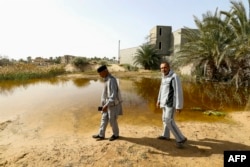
(105, 108)
(178, 111)
(157, 104)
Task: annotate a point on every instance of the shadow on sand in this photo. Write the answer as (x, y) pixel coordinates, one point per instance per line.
(201, 148)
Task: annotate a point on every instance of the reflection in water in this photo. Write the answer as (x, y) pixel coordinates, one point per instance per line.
(215, 96)
(207, 96)
(8, 87)
(136, 110)
(197, 97)
(148, 89)
(81, 82)
(71, 104)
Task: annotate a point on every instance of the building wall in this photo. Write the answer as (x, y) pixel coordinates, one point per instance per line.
(160, 36)
(66, 59)
(127, 55)
(178, 40)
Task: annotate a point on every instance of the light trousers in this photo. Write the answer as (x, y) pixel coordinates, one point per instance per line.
(170, 125)
(111, 117)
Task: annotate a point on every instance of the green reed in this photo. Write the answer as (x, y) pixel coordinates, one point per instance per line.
(29, 71)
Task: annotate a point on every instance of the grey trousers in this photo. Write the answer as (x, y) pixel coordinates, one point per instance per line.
(111, 117)
(170, 125)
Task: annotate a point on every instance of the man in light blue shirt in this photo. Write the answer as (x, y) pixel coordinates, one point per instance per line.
(111, 105)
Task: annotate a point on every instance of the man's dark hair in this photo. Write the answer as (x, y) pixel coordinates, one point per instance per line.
(101, 68)
(165, 62)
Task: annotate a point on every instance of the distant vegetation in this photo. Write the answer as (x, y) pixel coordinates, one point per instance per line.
(21, 71)
(44, 68)
(80, 62)
(129, 67)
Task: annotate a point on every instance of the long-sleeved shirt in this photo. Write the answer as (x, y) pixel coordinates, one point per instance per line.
(111, 95)
(170, 93)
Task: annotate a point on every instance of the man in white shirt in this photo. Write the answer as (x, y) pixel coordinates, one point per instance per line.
(170, 100)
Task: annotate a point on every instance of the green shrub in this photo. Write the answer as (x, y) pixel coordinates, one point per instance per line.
(130, 67)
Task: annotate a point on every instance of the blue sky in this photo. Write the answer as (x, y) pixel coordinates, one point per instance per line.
(91, 28)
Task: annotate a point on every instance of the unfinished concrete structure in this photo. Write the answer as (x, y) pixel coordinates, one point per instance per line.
(166, 42)
(160, 36)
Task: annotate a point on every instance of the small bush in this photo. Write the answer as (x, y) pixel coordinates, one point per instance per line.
(104, 63)
(130, 67)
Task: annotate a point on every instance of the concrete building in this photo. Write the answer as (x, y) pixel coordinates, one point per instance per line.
(178, 40)
(66, 59)
(160, 36)
(166, 42)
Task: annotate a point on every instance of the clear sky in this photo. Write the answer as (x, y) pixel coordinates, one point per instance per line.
(91, 28)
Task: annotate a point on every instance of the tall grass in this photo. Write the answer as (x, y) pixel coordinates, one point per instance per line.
(29, 71)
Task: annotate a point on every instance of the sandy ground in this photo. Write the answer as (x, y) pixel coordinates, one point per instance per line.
(23, 144)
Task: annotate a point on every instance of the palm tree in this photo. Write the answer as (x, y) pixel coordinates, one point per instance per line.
(240, 46)
(249, 10)
(207, 47)
(147, 57)
(222, 45)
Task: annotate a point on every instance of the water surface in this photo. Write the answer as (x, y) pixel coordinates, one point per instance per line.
(71, 104)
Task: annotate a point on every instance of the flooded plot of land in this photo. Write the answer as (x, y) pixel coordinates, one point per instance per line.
(66, 105)
(50, 123)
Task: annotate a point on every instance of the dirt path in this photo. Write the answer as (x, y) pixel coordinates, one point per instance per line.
(23, 145)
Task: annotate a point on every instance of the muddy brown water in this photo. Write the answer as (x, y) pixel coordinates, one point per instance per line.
(71, 103)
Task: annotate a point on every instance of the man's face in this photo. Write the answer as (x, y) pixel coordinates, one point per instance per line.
(103, 73)
(165, 68)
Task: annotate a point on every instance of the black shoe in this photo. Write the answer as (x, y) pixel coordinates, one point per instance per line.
(113, 137)
(181, 143)
(98, 137)
(163, 138)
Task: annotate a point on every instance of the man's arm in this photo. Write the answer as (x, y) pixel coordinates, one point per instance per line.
(112, 89)
(178, 93)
